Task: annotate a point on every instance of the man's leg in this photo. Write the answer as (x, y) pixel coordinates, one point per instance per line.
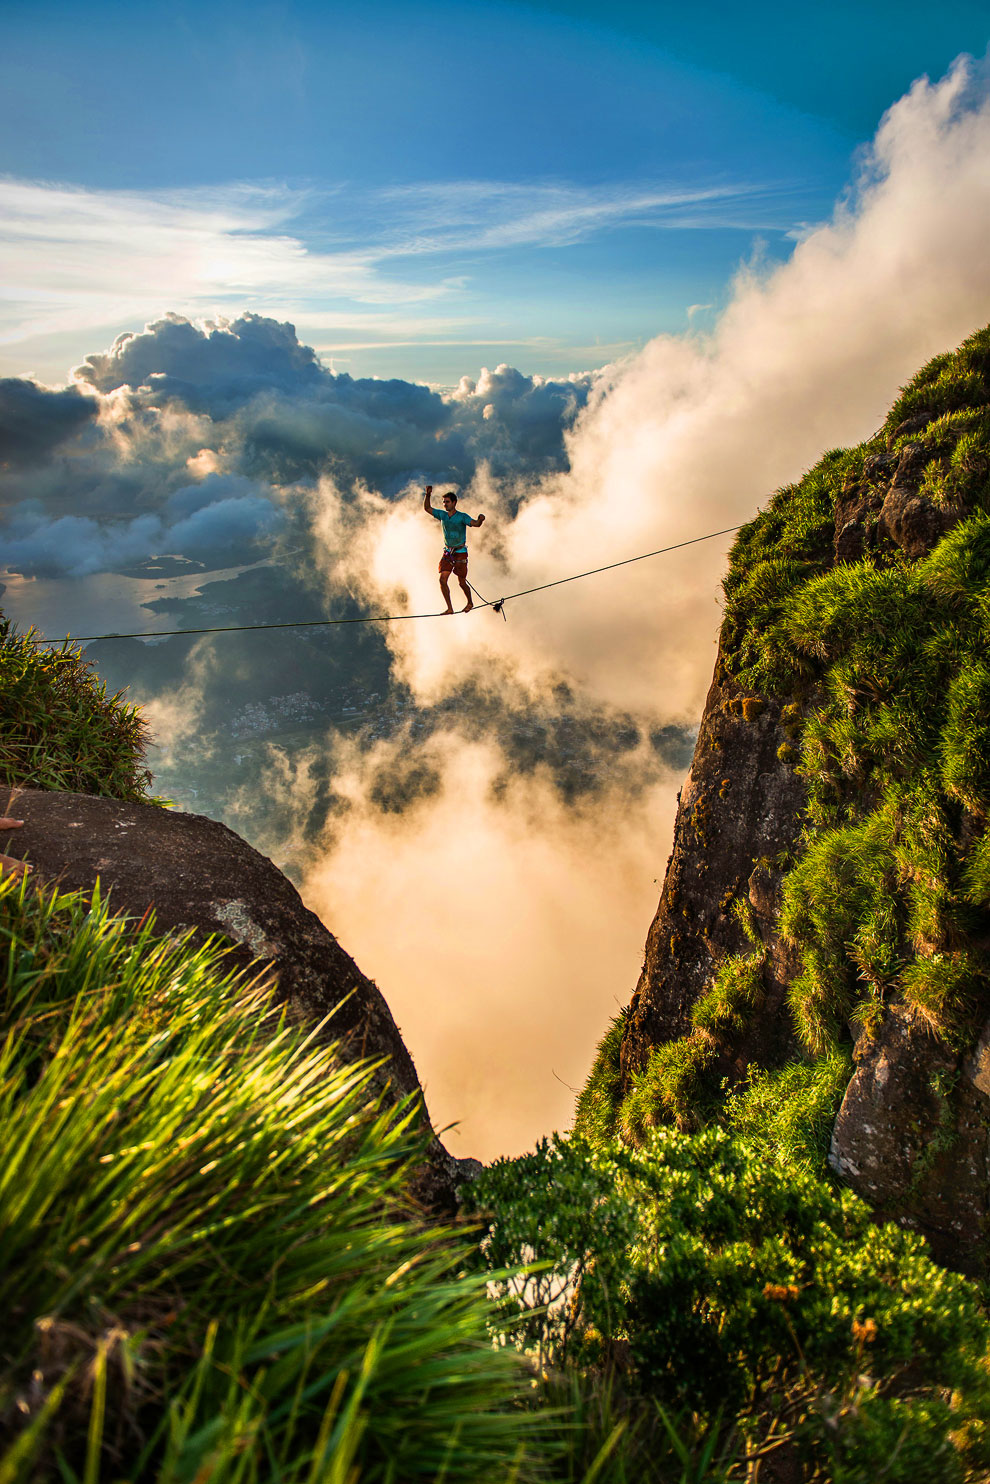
(467, 593)
(445, 589)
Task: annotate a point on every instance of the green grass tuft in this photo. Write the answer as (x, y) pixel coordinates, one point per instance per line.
(61, 730)
(734, 998)
(965, 743)
(597, 1106)
(947, 382)
(675, 1085)
(789, 1112)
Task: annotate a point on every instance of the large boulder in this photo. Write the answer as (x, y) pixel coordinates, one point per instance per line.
(194, 873)
(913, 1135)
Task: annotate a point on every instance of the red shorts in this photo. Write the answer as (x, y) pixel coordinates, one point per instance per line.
(454, 561)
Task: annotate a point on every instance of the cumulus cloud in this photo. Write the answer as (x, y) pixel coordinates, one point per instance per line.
(225, 533)
(238, 415)
(109, 502)
(34, 419)
(75, 545)
(220, 364)
(274, 401)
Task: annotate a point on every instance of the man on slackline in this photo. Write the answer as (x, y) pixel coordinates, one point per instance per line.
(454, 559)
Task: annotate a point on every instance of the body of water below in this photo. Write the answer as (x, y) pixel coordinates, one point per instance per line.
(103, 603)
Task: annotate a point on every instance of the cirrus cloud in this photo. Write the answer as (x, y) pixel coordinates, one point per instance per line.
(72, 258)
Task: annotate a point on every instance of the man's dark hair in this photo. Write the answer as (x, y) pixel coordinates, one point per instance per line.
(450, 496)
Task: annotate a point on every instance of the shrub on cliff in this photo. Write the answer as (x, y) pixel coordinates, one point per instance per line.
(748, 1294)
(61, 729)
(208, 1268)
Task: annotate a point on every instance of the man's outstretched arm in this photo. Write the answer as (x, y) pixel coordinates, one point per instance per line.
(479, 520)
(427, 502)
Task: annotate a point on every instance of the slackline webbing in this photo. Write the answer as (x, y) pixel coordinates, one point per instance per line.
(324, 623)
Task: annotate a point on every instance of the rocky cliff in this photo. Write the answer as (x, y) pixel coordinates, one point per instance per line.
(828, 891)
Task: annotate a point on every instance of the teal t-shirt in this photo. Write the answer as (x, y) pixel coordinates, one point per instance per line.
(454, 528)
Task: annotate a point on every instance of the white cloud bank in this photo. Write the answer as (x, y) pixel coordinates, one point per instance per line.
(481, 898)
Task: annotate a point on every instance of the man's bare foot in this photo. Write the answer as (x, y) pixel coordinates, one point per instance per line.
(447, 610)
(468, 608)
(9, 864)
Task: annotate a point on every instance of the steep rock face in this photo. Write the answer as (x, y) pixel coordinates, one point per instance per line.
(828, 891)
(738, 811)
(193, 872)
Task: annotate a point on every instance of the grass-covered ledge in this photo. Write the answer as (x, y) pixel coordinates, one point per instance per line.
(208, 1266)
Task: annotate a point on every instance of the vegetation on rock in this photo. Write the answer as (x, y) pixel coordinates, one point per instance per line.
(61, 730)
(886, 656)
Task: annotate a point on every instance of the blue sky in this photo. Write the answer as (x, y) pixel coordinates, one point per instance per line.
(425, 189)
